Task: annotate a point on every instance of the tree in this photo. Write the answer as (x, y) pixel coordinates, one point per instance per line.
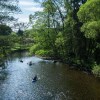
(64, 21)
(20, 32)
(89, 15)
(5, 30)
(7, 7)
(22, 26)
(5, 42)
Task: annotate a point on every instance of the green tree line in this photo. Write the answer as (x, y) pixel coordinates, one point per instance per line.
(68, 30)
(11, 41)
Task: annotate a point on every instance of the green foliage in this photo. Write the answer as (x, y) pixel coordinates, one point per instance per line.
(60, 45)
(7, 7)
(89, 14)
(59, 40)
(90, 11)
(34, 48)
(68, 30)
(96, 70)
(49, 6)
(5, 30)
(43, 53)
(5, 45)
(91, 29)
(20, 33)
(1, 56)
(39, 18)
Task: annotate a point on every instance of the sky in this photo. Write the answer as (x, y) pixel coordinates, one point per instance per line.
(27, 7)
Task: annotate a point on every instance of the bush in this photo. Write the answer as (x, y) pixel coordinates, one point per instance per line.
(34, 48)
(96, 70)
(43, 53)
(5, 30)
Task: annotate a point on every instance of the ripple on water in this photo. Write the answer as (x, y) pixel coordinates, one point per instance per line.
(55, 82)
(62, 96)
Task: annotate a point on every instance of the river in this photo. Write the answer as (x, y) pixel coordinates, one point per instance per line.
(56, 81)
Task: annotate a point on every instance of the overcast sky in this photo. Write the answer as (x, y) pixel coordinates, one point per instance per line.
(28, 7)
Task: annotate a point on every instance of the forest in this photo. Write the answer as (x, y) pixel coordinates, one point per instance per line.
(66, 30)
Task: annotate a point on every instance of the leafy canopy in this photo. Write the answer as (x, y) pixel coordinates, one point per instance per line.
(89, 14)
(7, 8)
(5, 30)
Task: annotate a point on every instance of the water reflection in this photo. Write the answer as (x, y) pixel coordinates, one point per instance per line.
(3, 75)
(55, 81)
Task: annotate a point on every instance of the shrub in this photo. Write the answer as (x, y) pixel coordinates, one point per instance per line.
(34, 48)
(96, 70)
(43, 53)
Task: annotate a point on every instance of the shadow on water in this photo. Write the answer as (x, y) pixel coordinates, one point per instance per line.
(3, 75)
(3, 72)
(56, 81)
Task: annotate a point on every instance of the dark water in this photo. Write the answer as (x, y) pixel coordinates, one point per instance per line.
(55, 81)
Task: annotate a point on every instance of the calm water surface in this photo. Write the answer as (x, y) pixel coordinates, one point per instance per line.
(55, 81)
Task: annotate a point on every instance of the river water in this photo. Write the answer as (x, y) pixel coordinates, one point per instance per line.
(55, 81)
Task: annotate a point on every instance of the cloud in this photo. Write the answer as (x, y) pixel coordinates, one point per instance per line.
(27, 3)
(34, 9)
(22, 18)
(28, 7)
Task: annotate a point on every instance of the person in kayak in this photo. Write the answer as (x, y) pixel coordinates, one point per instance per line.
(35, 78)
